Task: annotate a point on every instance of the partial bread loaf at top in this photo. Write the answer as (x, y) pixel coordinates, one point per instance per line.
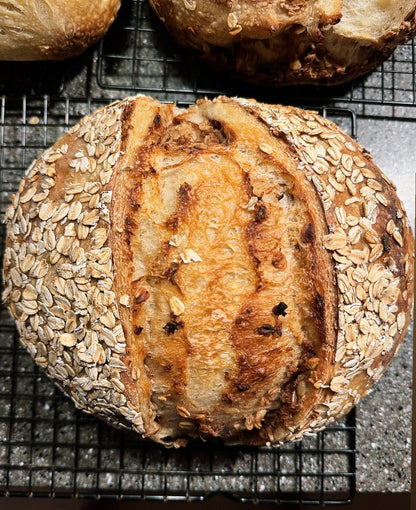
(52, 30)
(277, 42)
(235, 269)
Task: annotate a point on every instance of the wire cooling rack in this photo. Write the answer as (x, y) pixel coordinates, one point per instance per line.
(52, 450)
(48, 448)
(138, 56)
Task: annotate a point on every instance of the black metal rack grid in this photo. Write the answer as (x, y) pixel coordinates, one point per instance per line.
(138, 55)
(52, 450)
(47, 448)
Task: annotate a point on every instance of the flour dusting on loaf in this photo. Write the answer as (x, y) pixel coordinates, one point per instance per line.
(233, 270)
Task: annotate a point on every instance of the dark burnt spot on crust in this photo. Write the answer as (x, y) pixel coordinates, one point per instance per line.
(171, 272)
(279, 260)
(172, 326)
(266, 330)
(128, 229)
(385, 243)
(184, 200)
(248, 185)
(228, 397)
(157, 121)
(260, 212)
(318, 306)
(184, 193)
(142, 296)
(243, 319)
(308, 233)
(280, 309)
(278, 328)
(172, 223)
(243, 387)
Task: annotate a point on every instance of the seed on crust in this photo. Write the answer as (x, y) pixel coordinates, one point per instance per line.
(46, 210)
(124, 300)
(266, 148)
(401, 320)
(190, 255)
(67, 339)
(338, 384)
(176, 305)
(75, 210)
(336, 240)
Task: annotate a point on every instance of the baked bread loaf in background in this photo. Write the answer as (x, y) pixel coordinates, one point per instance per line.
(52, 30)
(233, 270)
(278, 42)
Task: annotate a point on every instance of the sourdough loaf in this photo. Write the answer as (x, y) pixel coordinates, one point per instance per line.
(278, 42)
(46, 30)
(234, 269)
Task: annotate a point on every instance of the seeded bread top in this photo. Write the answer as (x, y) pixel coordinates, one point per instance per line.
(236, 270)
(291, 42)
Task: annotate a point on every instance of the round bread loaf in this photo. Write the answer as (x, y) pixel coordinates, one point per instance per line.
(284, 42)
(235, 269)
(46, 30)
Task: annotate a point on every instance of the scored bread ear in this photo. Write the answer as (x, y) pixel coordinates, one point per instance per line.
(233, 270)
(139, 118)
(40, 30)
(372, 247)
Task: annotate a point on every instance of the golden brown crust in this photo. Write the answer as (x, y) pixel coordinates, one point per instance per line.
(236, 270)
(45, 30)
(270, 43)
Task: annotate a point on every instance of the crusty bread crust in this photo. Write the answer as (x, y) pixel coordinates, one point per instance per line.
(235, 270)
(287, 43)
(46, 30)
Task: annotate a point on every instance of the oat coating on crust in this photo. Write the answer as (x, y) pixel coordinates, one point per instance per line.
(236, 270)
